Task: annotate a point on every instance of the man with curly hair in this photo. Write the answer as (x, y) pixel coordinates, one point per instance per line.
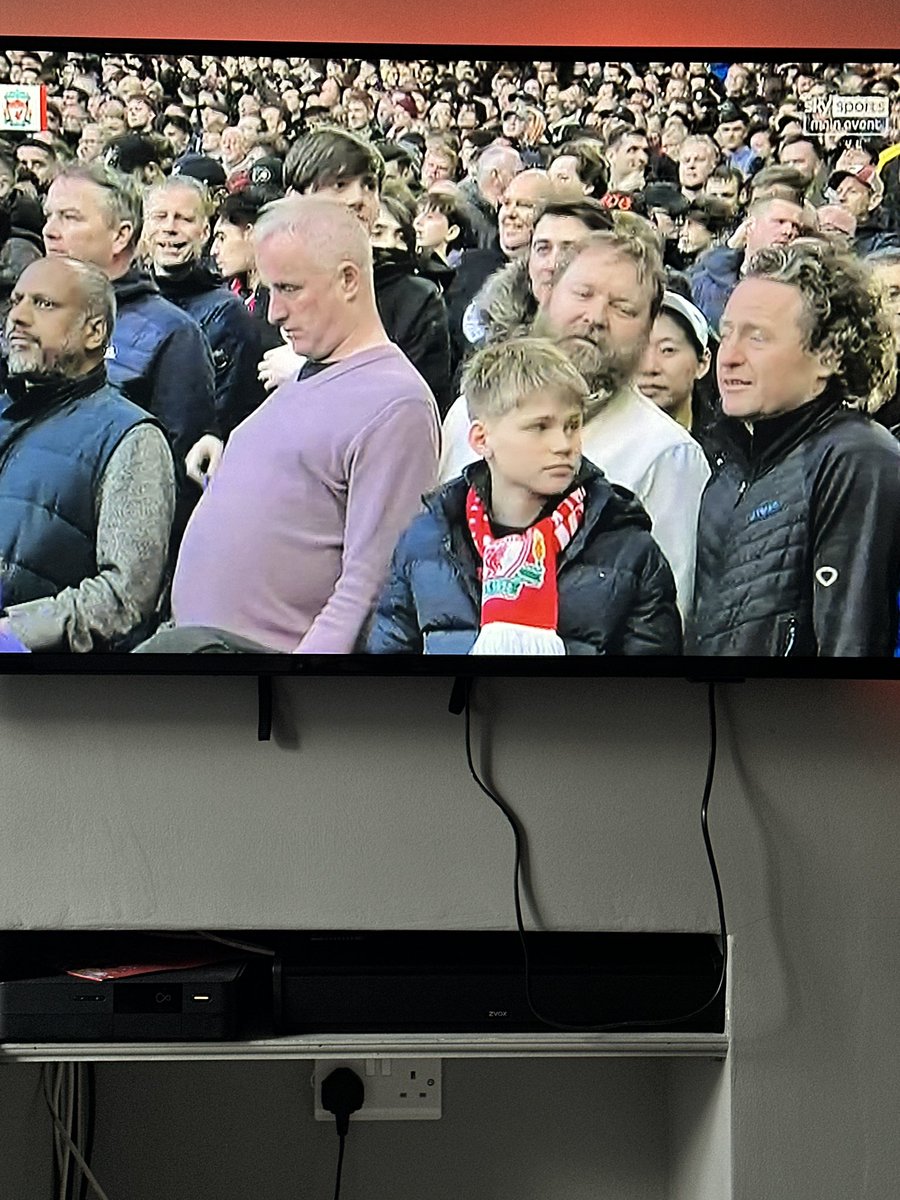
(798, 547)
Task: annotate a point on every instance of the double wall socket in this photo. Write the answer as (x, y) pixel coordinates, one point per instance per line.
(397, 1089)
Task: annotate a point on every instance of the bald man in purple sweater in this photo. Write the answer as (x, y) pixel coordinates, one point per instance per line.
(289, 547)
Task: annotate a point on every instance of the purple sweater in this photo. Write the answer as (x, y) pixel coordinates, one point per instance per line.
(292, 540)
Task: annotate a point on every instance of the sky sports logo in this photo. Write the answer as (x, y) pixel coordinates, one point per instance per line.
(841, 116)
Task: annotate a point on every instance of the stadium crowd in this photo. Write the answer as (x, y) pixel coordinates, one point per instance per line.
(522, 357)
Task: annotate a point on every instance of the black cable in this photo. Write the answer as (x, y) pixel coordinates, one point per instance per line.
(90, 1093)
(518, 838)
(342, 1138)
(343, 1092)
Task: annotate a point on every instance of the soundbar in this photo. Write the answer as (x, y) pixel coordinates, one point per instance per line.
(475, 982)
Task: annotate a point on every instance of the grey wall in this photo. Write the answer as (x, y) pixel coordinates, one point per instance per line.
(149, 803)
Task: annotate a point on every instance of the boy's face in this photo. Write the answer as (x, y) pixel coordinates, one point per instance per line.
(535, 448)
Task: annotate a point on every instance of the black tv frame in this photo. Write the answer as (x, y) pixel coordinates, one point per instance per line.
(460, 667)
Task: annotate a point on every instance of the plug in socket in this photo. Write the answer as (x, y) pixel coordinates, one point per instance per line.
(397, 1089)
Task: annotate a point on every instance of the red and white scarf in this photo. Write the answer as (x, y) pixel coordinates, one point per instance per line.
(519, 597)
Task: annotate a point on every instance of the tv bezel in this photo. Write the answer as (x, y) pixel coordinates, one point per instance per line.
(694, 668)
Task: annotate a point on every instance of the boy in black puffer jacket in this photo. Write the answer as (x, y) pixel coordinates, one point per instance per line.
(532, 551)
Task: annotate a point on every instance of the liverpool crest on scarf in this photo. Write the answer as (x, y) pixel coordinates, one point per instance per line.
(519, 597)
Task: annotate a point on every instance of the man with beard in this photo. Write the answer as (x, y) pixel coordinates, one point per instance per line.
(605, 296)
(176, 230)
(600, 306)
(87, 477)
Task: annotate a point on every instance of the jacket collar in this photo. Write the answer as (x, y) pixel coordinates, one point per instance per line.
(775, 437)
(32, 396)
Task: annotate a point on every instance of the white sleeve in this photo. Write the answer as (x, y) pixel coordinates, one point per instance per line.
(456, 452)
(670, 490)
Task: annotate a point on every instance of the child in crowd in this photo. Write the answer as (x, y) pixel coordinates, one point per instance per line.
(531, 551)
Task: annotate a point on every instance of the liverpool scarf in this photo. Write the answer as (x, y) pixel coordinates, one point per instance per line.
(519, 598)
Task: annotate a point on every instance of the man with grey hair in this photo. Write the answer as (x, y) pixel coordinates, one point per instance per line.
(158, 356)
(798, 547)
(497, 166)
(86, 477)
(289, 546)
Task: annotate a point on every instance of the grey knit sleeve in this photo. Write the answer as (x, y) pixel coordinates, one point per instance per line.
(134, 505)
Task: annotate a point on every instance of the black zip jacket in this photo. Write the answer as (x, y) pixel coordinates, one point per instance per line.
(616, 590)
(798, 544)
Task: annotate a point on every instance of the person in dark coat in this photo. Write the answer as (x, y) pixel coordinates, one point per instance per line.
(408, 304)
(176, 230)
(798, 544)
(531, 551)
(336, 163)
(159, 357)
(771, 221)
(86, 477)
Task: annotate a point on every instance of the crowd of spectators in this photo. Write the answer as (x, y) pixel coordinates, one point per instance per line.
(473, 181)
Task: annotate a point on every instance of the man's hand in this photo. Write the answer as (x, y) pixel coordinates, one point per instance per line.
(279, 365)
(738, 239)
(203, 458)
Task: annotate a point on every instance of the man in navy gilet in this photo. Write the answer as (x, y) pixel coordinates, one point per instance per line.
(87, 480)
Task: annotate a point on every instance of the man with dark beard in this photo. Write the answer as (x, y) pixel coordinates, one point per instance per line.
(86, 477)
(606, 293)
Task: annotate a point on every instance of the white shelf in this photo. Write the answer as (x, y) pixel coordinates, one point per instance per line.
(365, 1045)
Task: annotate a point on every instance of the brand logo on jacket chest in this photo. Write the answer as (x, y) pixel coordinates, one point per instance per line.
(767, 509)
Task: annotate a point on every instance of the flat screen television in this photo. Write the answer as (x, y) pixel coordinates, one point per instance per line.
(626, 131)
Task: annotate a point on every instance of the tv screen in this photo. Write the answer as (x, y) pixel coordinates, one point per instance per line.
(445, 360)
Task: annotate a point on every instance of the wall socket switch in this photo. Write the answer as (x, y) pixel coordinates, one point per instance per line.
(397, 1089)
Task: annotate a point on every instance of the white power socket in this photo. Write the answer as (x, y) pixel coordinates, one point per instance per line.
(397, 1089)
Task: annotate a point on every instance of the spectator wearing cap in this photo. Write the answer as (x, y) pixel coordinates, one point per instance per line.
(201, 166)
(732, 131)
(666, 206)
(404, 115)
(176, 230)
(137, 155)
(676, 359)
(158, 356)
(861, 191)
(705, 222)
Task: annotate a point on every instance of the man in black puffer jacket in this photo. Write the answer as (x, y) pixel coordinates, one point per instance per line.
(532, 550)
(798, 546)
(176, 230)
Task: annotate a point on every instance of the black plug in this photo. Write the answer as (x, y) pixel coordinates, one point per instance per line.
(343, 1093)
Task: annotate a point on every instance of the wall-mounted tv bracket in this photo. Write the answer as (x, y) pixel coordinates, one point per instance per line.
(459, 693)
(264, 696)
